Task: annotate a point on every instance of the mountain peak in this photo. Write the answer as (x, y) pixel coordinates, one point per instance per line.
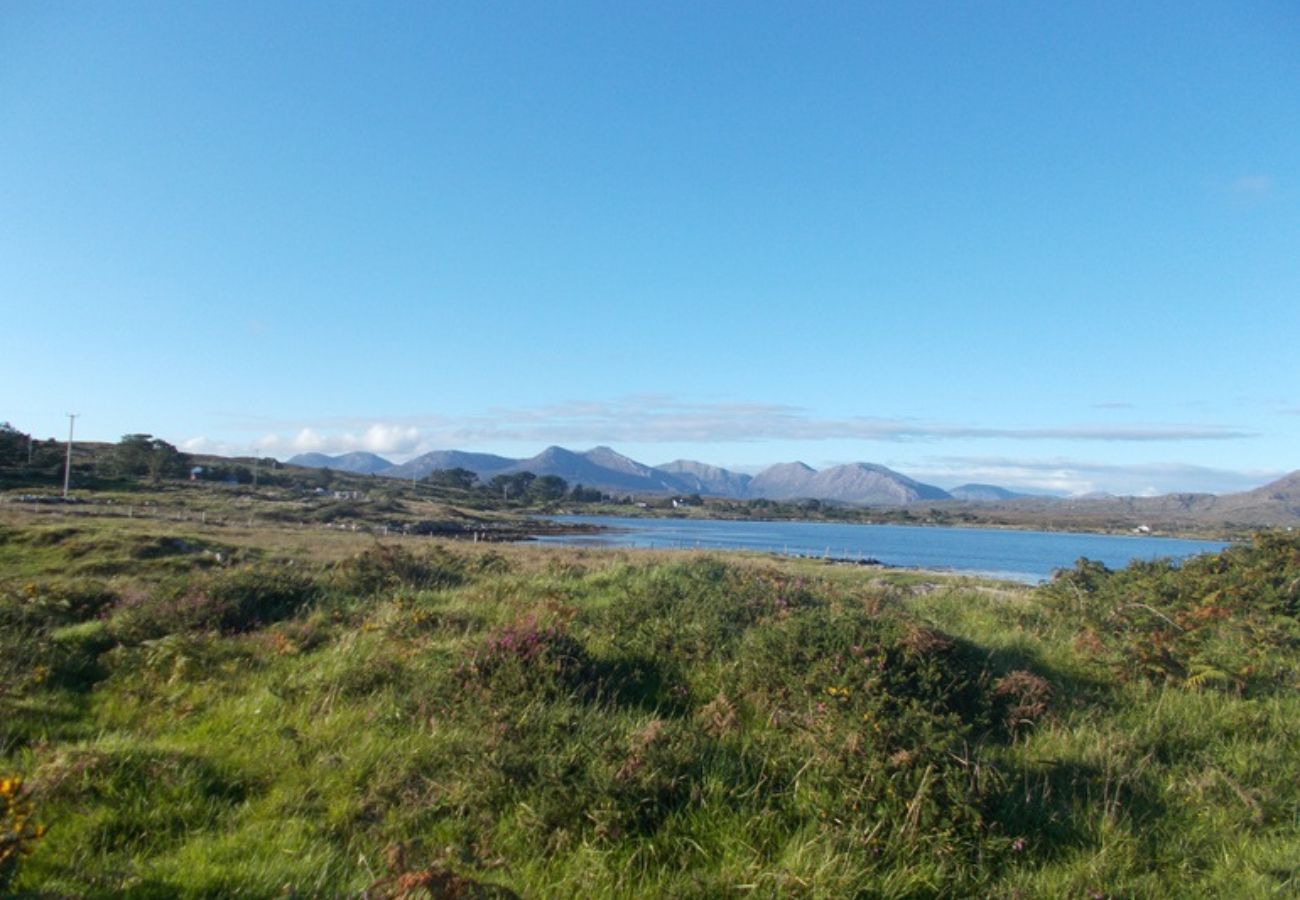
(610, 459)
(358, 462)
(872, 484)
(484, 465)
(783, 481)
(796, 466)
(702, 478)
(978, 493)
(555, 452)
(1286, 487)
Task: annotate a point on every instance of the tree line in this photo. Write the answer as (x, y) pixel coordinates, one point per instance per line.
(25, 458)
(519, 487)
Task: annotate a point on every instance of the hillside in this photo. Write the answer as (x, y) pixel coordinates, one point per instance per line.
(599, 468)
(712, 481)
(861, 484)
(359, 463)
(871, 485)
(783, 481)
(1276, 504)
(484, 465)
(978, 493)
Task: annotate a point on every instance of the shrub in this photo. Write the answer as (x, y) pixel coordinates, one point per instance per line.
(491, 563)
(54, 602)
(526, 655)
(385, 567)
(229, 601)
(700, 609)
(18, 830)
(48, 636)
(1024, 699)
(249, 598)
(1225, 621)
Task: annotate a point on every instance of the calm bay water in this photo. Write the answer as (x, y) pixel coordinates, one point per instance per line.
(1028, 556)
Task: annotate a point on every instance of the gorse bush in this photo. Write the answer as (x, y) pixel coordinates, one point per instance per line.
(19, 831)
(1224, 621)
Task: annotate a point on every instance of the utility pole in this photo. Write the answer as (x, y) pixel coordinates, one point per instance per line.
(67, 464)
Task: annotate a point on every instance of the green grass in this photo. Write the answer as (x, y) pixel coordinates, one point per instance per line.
(540, 722)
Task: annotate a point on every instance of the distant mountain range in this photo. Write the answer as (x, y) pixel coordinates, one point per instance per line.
(485, 465)
(979, 493)
(358, 463)
(702, 478)
(860, 484)
(857, 484)
(1274, 504)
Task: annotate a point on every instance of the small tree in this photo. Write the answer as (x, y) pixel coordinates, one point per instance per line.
(548, 488)
(512, 486)
(13, 445)
(581, 494)
(457, 479)
(145, 455)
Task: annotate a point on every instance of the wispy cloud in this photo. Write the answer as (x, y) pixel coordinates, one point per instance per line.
(377, 437)
(1077, 477)
(1256, 186)
(665, 419)
(205, 444)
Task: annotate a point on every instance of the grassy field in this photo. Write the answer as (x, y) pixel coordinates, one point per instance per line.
(196, 709)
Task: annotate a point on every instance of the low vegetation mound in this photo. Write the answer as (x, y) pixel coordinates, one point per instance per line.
(1228, 621)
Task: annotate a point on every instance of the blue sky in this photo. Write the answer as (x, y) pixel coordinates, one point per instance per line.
(1043, 245)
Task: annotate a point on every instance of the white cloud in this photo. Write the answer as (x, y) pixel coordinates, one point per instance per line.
(661, 419)
(1077, 477)
(310, 441)
(390, 438)
(657, 419)
(378, 437)
(206, 445)
(1255, 186)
